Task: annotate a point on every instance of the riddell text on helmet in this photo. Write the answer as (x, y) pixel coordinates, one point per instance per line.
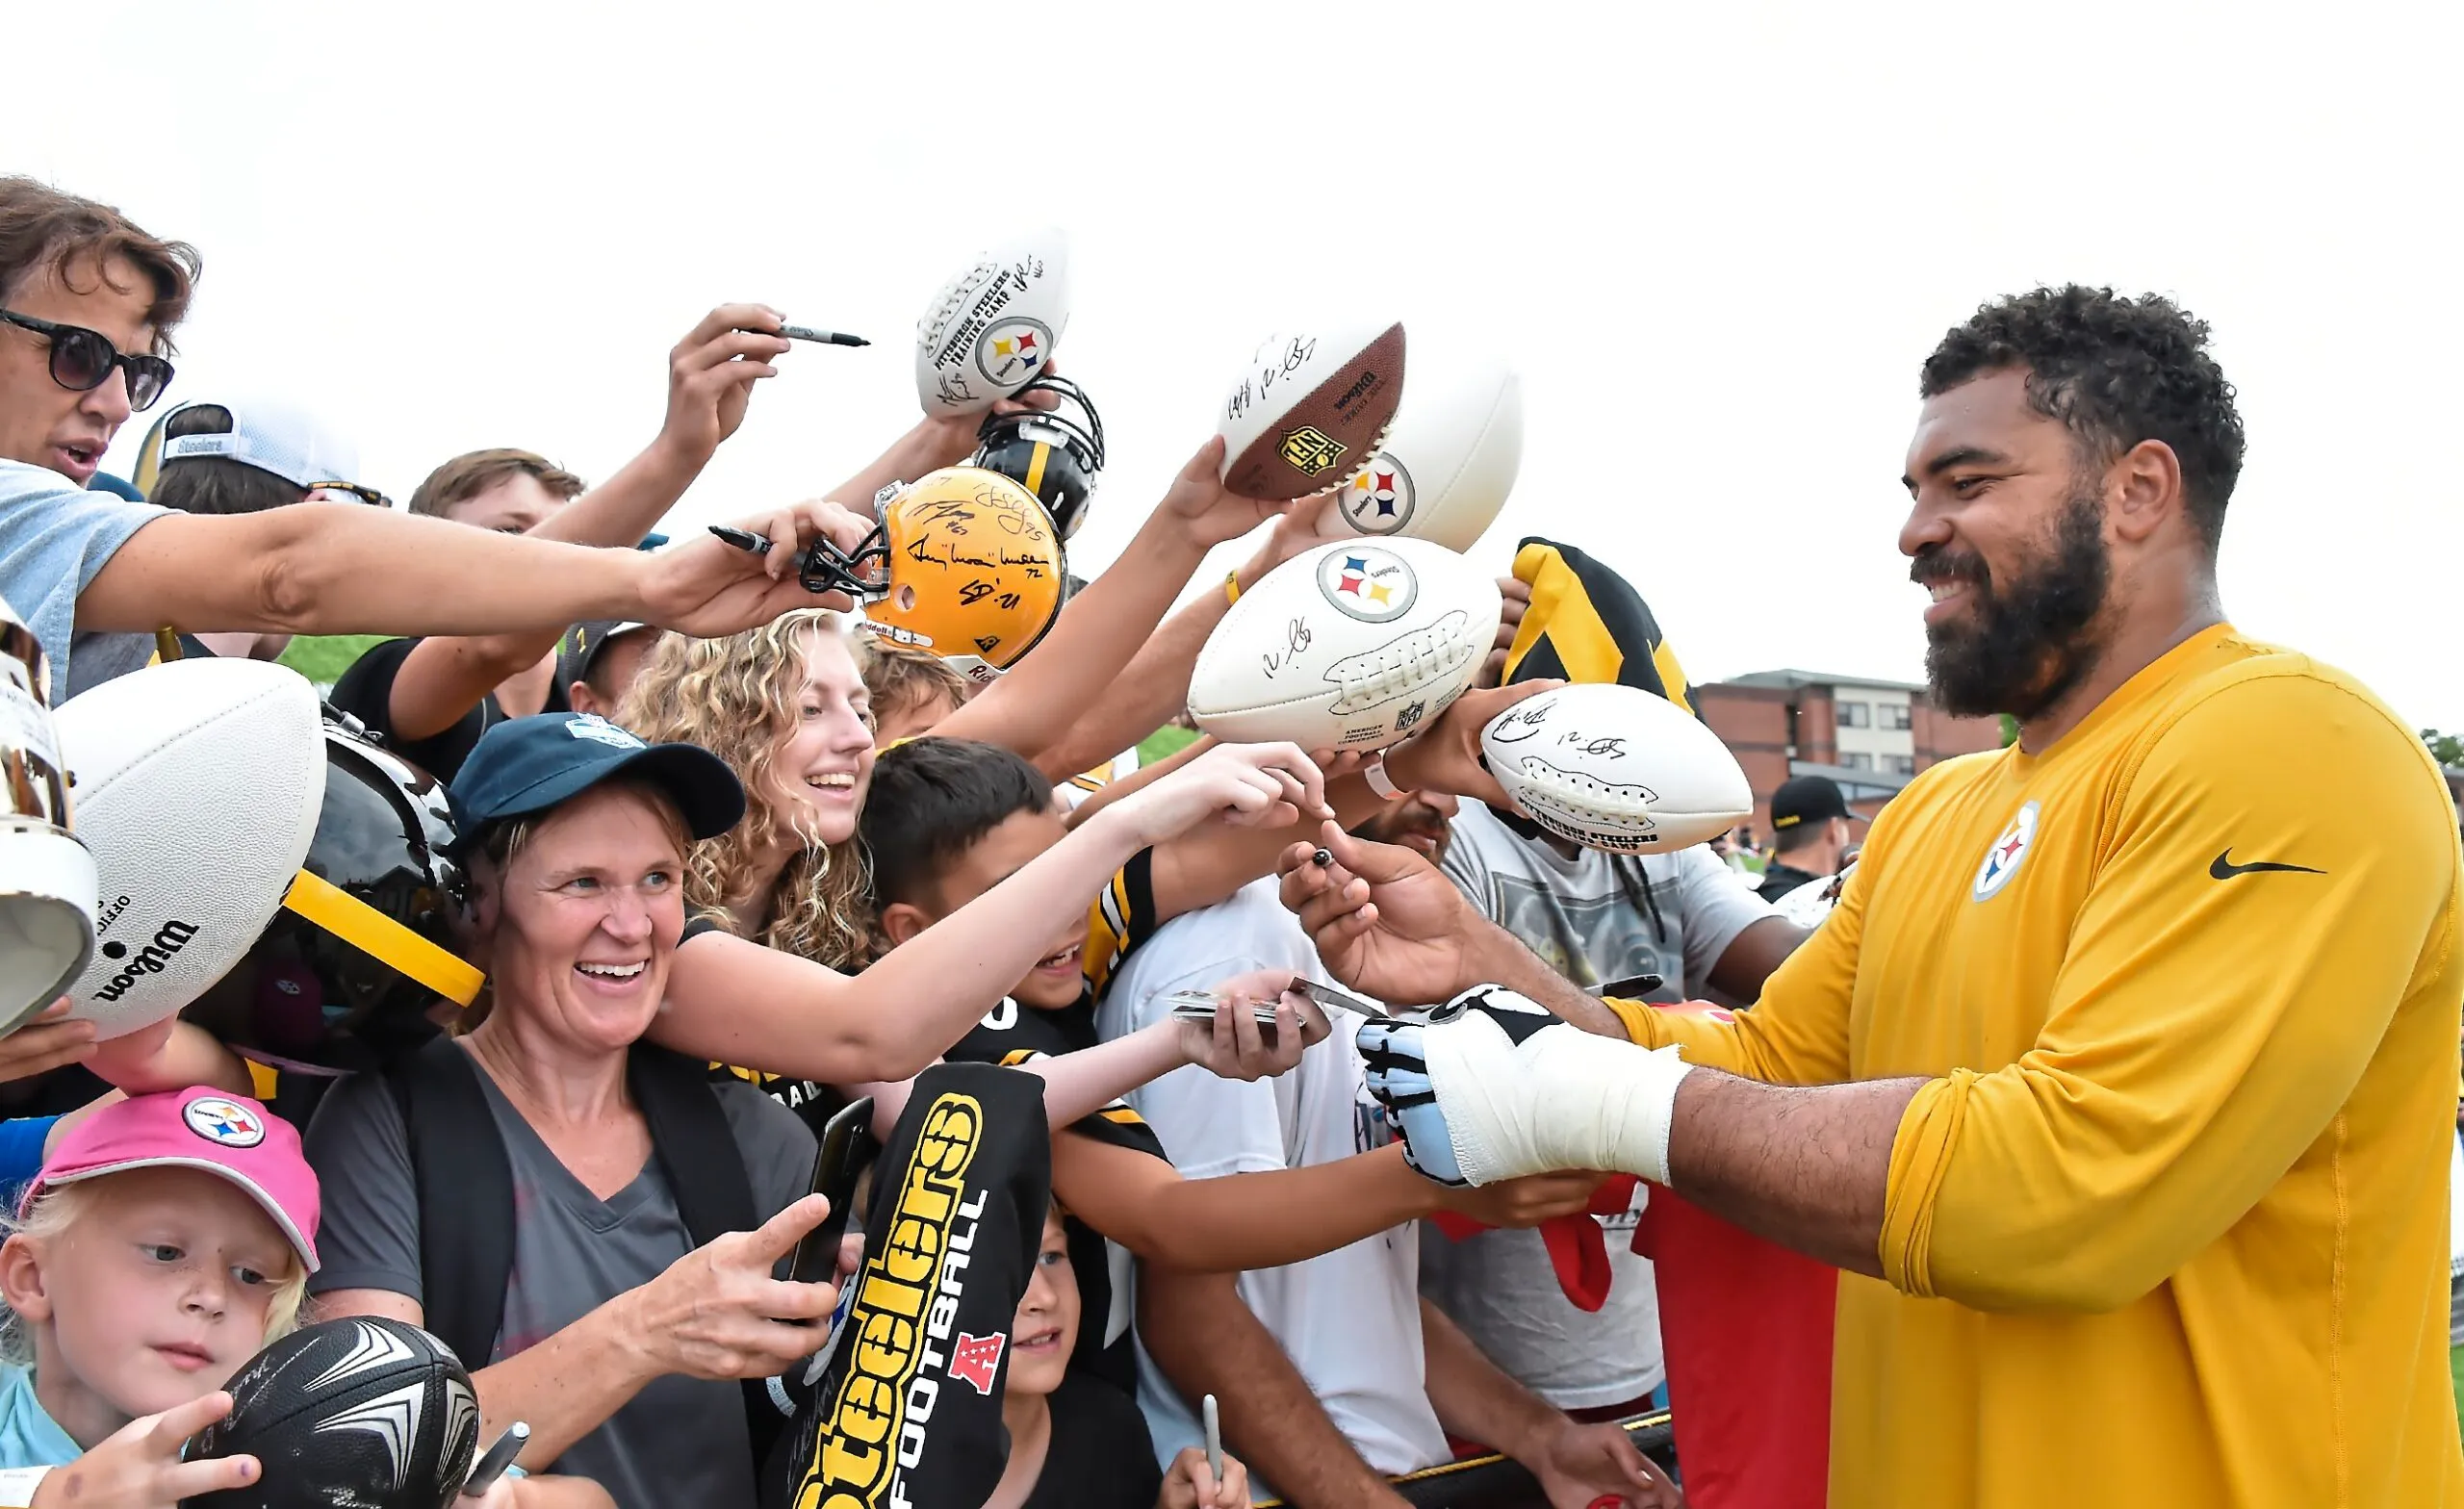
(902, 1321)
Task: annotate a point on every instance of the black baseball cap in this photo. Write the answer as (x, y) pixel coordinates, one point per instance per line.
(583, 644)
(529, 765)
(1807, 799)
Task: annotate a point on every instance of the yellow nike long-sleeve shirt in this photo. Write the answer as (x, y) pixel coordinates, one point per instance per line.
(2169, 1227)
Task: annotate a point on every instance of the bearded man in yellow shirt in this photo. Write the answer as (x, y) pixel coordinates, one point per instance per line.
(2120, 1080)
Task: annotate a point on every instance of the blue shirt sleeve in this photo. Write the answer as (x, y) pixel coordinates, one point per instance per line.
(55, 538)
(21, 1140)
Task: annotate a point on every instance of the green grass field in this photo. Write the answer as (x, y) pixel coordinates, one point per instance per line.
(322, 659)
(1163, 743)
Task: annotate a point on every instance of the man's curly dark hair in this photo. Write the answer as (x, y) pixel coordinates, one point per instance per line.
(2115, 371)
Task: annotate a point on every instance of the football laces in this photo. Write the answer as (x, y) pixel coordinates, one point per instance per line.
(1588, 800)
(1402, 667)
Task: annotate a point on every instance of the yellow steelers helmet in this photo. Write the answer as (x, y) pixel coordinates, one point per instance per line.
(971, 568)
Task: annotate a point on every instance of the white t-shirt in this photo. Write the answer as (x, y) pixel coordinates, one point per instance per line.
(1673, 916)
(1348, 1319)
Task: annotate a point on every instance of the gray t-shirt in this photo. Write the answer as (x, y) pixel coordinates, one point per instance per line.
(55, 538)
(680, 1441)
(1671, 916)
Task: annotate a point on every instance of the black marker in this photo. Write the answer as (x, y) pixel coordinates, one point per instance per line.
(1322, 857)
(742, 539)
(491, 1467)
(821, 336)
(1633, 988)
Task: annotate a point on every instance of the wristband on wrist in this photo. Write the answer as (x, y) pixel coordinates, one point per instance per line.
(1374, 772)
(1232, 585)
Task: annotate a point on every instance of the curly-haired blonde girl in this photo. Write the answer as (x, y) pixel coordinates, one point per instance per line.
(785, 706)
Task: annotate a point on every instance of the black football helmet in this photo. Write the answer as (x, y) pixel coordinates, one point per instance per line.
(1054, 453)
(360, 953)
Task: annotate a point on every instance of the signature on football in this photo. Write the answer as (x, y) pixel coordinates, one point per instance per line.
(1295, 640)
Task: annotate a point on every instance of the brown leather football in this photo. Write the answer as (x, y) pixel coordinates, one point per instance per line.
(1311, 409)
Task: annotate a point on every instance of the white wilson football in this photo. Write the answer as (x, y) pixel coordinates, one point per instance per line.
(1310, 409)
(199, 786)
(991, 328)
(1348, 646)
(1616, 768)
(1450, 460)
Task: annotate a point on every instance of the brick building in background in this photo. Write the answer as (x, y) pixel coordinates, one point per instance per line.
(1869, 735)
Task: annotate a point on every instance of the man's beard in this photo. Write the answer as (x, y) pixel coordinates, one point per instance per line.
(2022, 646)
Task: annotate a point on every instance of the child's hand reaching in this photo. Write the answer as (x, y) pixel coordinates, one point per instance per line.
(1189, 1485)
(1234, 1044)
(1251, 786)
(140, 1468)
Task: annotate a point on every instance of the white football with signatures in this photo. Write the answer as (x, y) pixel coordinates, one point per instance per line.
(1616, 768)
(1451, 459)
(1350, 646)
(991, 328)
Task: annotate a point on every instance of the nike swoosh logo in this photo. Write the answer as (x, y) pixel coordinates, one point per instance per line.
(2224, 869)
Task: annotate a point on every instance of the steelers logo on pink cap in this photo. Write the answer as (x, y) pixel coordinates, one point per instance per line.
(223, 1121)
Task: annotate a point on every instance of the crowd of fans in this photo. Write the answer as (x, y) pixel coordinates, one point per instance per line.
(732, 857)
(698, 823)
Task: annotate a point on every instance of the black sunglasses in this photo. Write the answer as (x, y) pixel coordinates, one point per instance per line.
(81, 360)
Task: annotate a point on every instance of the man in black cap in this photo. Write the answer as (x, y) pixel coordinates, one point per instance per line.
(1808, 835)
(597, 662)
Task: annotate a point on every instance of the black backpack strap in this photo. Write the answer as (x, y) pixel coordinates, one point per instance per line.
(696, 1150)
(690, 1137)
(465, 1181)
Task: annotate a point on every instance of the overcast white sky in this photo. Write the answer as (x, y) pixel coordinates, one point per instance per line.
(1718, 239)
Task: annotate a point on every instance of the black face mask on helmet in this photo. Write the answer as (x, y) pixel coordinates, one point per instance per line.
(1056, 454)
(359, 956)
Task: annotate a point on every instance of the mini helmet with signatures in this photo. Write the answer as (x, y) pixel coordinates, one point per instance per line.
(1054, 453)
(964, 563)
(357, 965)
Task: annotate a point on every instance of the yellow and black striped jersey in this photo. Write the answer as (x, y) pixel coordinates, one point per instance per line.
(1121, 918)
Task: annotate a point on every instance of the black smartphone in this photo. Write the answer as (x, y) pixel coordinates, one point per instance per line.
(847, 1150)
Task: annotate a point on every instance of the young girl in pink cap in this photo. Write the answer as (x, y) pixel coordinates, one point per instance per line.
(166, 1239)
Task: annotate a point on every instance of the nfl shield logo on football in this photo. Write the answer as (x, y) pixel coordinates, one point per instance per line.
(2003, 859)
(1310, 449)
(1378, 501)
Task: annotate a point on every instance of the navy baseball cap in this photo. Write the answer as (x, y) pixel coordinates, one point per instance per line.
(529, 765)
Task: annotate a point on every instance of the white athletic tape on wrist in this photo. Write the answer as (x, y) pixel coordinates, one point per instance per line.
(18, 1485)
(1561, 1098)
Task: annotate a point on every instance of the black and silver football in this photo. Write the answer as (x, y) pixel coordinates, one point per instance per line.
(368, 1412)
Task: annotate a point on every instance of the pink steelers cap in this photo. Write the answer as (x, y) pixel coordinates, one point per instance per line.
(230, 1137)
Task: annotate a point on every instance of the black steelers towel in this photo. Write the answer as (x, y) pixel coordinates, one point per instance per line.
(908, 1411)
